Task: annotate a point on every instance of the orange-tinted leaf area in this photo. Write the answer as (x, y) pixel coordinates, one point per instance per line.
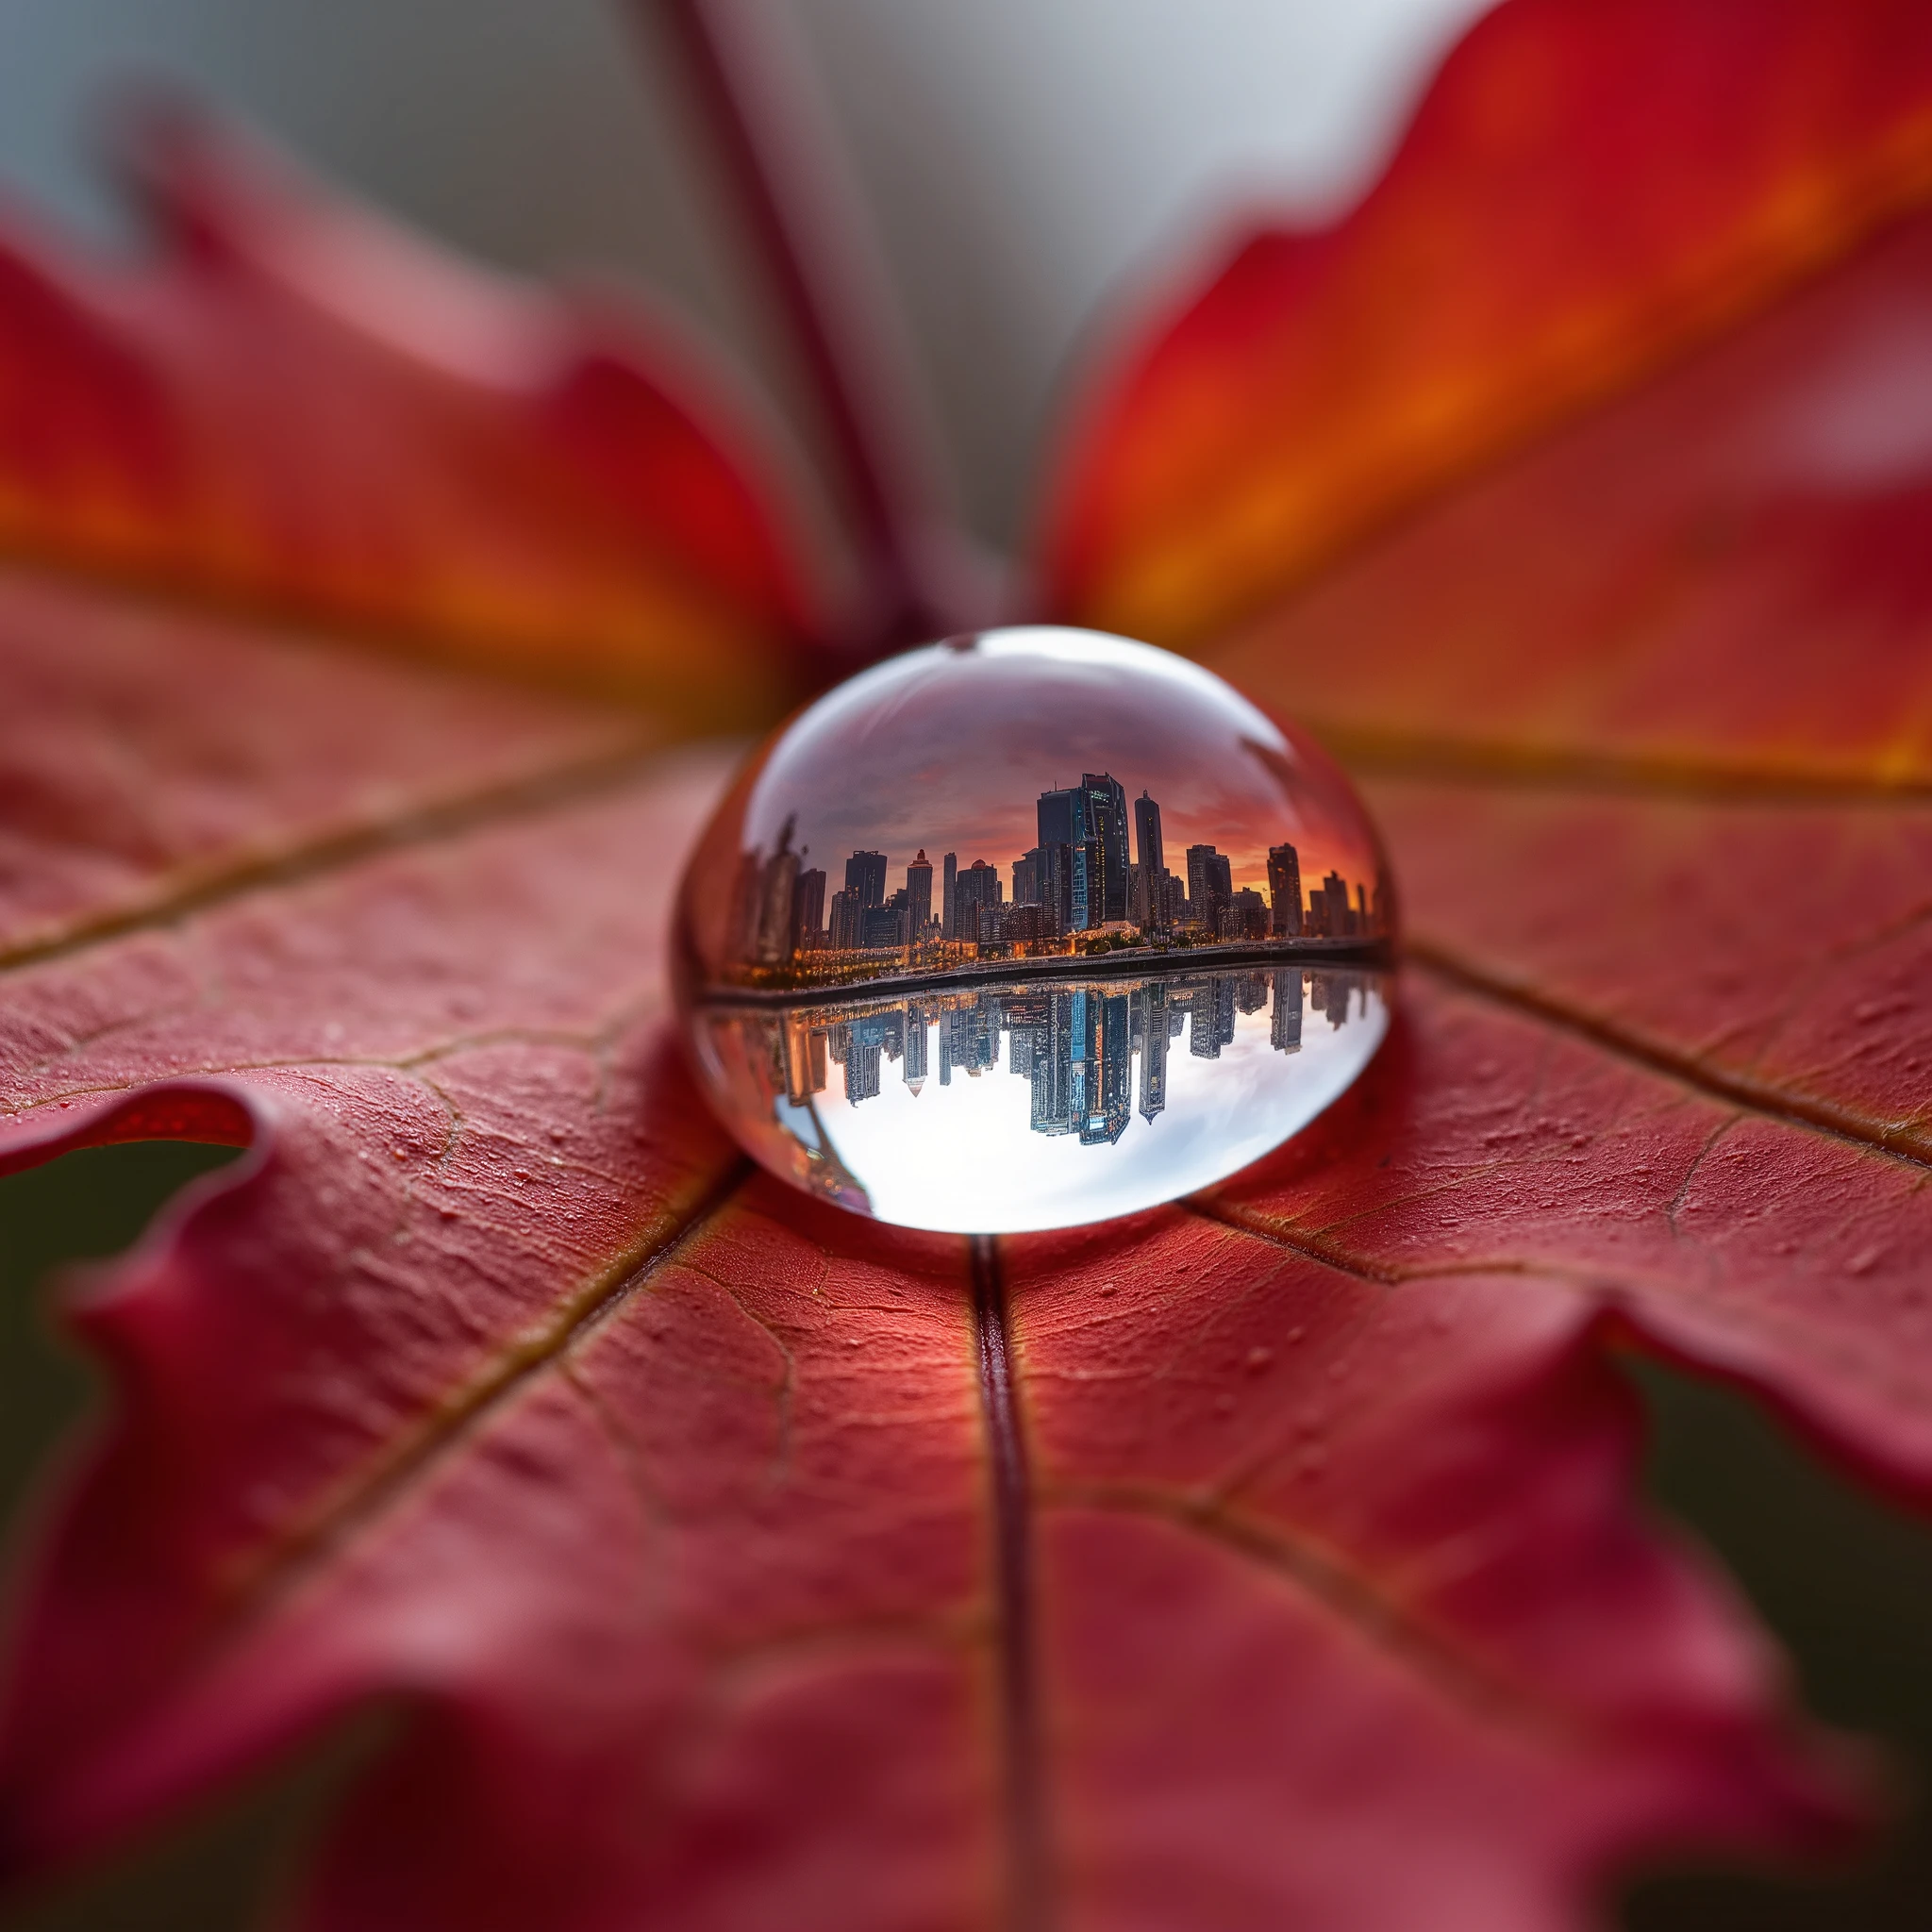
(297, 407)
(1267, 1560)
(1586, 189)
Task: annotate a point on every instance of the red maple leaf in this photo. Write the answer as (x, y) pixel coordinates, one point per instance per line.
(1265, 1560)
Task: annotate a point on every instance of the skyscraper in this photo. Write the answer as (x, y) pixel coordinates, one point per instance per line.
(1153, 860)
(811, 908)
(1107, 819)
(1285, 891)
(975, 889)
(948, 904)
(1052, 1066)
(1109, 1070)
(1285, 1026)
(918, 894)
(1053, 873)
(1334, 892)
(862, 1057)
(865, 873)
(1211, 1023)
(848, 922)
(1065, 818)
(1247, 915)
(1210, 885)
(1154, 1039)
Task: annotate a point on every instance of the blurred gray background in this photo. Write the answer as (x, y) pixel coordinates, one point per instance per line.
(1016, 158)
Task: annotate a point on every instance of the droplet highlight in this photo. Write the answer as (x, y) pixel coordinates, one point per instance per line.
(1029, 929)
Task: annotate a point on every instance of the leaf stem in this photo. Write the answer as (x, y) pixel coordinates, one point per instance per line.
(916, 566)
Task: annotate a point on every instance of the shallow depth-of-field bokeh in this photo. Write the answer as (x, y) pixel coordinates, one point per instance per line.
(502, 1504)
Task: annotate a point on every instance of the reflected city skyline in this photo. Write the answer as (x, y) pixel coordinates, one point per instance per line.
(1095, 1057)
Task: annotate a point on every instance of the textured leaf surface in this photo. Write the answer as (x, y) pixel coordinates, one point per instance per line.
(1644, 713)
(1585, 191)
(727, 1561)
(150, 756)
(485, 470)
(492, 1386)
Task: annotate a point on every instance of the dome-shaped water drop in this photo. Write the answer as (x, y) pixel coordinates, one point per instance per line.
(1031, 928)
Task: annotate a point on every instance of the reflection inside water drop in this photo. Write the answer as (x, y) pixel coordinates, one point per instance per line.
(1039, 1102)
(1029, 929)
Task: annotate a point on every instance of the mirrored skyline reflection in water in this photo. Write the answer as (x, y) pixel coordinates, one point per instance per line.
(1038, 1103)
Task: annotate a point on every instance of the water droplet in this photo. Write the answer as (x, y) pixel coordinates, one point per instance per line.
(1031, 929)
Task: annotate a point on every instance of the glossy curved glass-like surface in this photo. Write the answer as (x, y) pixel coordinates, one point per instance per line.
(1036, 1103)
(1033, 853)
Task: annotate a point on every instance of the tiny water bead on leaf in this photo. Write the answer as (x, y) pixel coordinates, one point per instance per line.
(1031, 928)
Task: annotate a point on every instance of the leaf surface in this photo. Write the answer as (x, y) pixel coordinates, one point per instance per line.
(494, 1386)
(1586, 192)
(485, 470)
(1644, 715)
(727, 1559)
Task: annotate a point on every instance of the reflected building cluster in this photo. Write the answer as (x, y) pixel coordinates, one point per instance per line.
(1079, 1047)
(1079, 888)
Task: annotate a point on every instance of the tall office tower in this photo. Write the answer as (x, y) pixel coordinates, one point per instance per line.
(1052, 1106)
(1065, 818)
(1285, 1025)
(1249, 919)
(915, 1047)
(1335, 891)
(848, 922)
(1026, 878)
(918, 894)
(948, 904)
(1363, 927)
(1147, 849)
(865, 873)
(1079, 1029)
(978, 888)
(1053, 871)
(1210, 885)
(810, 904)
(1174, 900)
(1200, 892)
(1211, 1023)
(1110, 1069)
(1154, 1039)
(862, 1057)
(1107, 819)
(1285, 891)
